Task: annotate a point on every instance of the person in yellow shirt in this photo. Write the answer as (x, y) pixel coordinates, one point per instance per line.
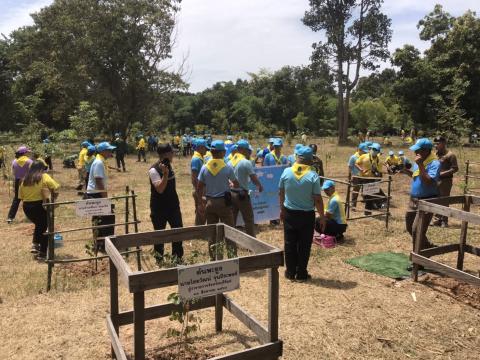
(141, 145)
(81, 164)
(370, 167)
(37, 187)
(392, 163)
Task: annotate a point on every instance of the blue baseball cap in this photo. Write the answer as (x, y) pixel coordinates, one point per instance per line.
(200, 142)
(277, 142)
(297, 147)
(103, 146)
(218, 145)
(328, 184)
(271, 140)
(391, 153)
(368, 143)
(85, 144)
(376, 146)
(92, 148)
(363, 146)
(401, 152)
(305, 152)
(243, 144)
(422, 143)
(234, 147)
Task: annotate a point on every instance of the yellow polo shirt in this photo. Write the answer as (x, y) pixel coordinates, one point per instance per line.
(34, 192)
(81, 157)
(367, 162)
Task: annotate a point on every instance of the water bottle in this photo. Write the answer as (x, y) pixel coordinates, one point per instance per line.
(58, 240)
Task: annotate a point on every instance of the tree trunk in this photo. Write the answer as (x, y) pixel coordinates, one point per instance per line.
(340, 107)
(346, 108)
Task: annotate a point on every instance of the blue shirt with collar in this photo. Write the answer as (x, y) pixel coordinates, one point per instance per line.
(196, 164)
(216, 186)
(421, 190)
(299, 193)
(270, 160)
(243, 171)
(351, 165)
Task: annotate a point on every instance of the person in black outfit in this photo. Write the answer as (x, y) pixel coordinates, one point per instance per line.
(164, 202)
(120, 151)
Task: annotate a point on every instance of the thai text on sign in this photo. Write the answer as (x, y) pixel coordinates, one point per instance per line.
(204, 280)
(93, 207)
(371, 188)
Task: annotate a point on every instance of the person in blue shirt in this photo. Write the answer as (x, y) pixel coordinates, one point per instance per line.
(244, 172)
(353, 172)
(334, 212)
(291, 158)
(275, 157)
(268, 149)
(214, 180)
(425, 175)
(198, 160)
(300, 194)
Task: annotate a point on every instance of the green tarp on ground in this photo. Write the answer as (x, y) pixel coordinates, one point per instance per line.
(390, 264)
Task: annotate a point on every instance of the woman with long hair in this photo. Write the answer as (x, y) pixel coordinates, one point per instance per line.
(36, 188)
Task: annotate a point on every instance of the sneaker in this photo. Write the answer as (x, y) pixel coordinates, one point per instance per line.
(41, 256)
(35, 248)
(304, 278)
(9, 221)
(289, 276)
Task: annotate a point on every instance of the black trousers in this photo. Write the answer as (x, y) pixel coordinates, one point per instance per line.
(48, 161)
(102, 220)
(333, 228)
(16, 201)
(298, 235)
(141, 154)
(120, 161)
(159, 220)
(35, 212)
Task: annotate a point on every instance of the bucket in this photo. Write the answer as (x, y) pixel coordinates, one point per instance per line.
(57, 241)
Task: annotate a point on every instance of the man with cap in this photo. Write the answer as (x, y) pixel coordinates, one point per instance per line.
(405, 162)
(20, 166)
(369, 167)
(275, 156)
(214, 180)
(120, 151)
(392, 163)
(425, 176)
(229, 140)
(198, 160)
(448, 167)
(300, 194)
(97, 188)
(141, 148)
(353, 172)
(164, 202)
(81, 164)
(89, 159)
(291, 158)
(334, 212)
(317, 163)
(269, 148)
(244, 173)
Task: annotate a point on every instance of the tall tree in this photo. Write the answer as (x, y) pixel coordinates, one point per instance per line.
(357, 35)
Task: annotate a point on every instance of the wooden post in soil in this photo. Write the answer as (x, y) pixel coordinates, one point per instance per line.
(467, 166)
(114, 299)
(389, 191)
(347, 199)
(135, 226)
(139, 325)
(51, 244)
(219, 245)
(463, 235)
(418, 242)
(273, 295)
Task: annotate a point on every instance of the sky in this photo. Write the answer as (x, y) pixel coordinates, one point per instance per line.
(223, 40)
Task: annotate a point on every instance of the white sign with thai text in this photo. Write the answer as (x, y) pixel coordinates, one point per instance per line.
(93, 207)
(199, 281)
(371, 188)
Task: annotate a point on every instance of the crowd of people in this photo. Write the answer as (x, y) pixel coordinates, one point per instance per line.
(221, 173)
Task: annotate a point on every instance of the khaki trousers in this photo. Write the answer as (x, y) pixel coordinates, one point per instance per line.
(82, 173)
(244, 206)
(412, 224)
(217, 211)
(200, 219)
(445, 188)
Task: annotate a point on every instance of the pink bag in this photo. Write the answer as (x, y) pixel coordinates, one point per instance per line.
(325, 241)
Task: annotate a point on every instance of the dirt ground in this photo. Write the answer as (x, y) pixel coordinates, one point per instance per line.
(343, 313)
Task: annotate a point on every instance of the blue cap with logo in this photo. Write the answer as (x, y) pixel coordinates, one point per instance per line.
(242, 144)
(218, 145)
(271, 140)
(376, 146)
(391, 153)
(200, 142)
(103, 146)
(328, 184)
(368, 143)
(305, 152)
(422, 143)
(85, 144)
(297, 147)
(277, 142)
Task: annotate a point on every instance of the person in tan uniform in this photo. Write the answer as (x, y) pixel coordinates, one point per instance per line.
(448, 167)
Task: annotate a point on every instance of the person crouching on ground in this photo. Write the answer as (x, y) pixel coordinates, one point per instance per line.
(164, 202)
(300, 194)
(334, 212)
(34, 191)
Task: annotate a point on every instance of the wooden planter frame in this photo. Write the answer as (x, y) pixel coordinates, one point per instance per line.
(421, 255)
(264, 256)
